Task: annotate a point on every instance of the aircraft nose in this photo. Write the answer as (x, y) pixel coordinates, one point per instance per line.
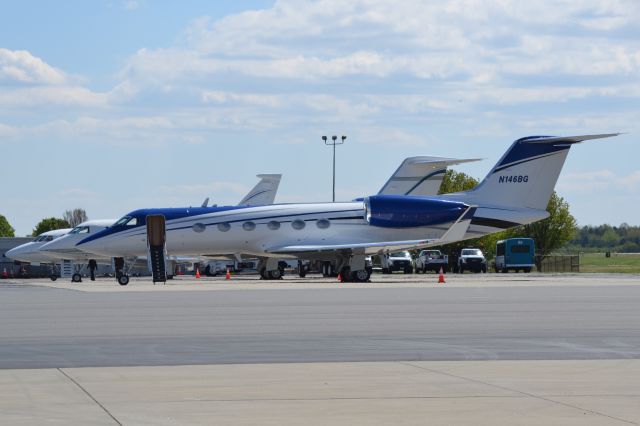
(51, 245)
(11, 253)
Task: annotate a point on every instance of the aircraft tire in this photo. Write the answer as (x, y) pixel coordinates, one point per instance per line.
(361, 276)
(76, 278)
(123, 279)
(53, 277)
(276, 274)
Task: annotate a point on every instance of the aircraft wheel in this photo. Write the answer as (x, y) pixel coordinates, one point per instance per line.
(276, 274)
(76, 278)
(123, 279)
(360, 276)
(53, 277)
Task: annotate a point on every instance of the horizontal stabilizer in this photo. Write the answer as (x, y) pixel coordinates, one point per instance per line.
(419, 176)
(567, 139)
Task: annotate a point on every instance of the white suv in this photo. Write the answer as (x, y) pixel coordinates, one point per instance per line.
(472, 259)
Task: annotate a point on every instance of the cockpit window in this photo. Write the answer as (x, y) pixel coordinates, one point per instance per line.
(80, 230)
(127, 221)
(48, 238)
(122, 221)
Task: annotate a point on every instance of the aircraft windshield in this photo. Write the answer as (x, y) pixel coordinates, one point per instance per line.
(127, 221)
(80, 230)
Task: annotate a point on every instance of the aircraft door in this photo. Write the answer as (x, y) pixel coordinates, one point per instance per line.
(156, 247)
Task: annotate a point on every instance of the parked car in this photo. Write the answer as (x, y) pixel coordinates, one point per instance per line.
(516, 254)
(472, 259)
(399, 261)
(432, 260)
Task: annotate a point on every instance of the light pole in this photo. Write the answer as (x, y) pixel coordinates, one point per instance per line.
(334, 142)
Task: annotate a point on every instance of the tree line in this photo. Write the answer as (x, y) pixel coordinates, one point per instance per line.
(621, 239)
(69, 219)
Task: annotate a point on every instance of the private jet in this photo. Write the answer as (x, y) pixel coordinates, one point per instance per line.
(515, 192)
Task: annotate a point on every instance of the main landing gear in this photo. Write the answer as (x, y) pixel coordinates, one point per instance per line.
(359, 276)
(271, 269)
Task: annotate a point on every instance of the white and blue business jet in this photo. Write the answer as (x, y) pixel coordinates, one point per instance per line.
(515, 192)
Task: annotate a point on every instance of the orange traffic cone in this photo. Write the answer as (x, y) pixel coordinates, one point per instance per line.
(198, 273)
(4, 273)
(228, 276)
(441, 277)
(340, 277)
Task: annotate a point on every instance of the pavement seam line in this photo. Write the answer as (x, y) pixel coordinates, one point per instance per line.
(86, 392)
(517, 391)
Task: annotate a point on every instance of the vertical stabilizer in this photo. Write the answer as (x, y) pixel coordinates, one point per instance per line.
(264, 192)
(527, 173)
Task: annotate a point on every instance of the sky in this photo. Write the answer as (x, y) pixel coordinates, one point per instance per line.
(123, 104)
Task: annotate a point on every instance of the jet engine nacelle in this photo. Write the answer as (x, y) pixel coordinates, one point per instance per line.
(398, 211)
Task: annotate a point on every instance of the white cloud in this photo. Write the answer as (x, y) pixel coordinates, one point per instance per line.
(333, 39)
(51, 96)
(131, 4)
(22, 67)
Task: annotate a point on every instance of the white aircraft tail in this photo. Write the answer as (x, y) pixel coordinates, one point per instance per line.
(527, 173)
(419, 176)
(264, 192)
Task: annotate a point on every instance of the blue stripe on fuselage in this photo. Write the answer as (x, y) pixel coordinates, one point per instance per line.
(168, 213)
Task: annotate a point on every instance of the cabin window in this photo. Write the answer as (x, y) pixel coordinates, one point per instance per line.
(224, 227)
(199, 227)
(323, 223)
(273, 225)
(249, 226)
(298, 224)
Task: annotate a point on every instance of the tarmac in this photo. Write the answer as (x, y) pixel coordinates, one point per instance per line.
(480, 349)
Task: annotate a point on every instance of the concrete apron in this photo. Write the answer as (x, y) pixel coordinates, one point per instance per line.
(586, 392)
